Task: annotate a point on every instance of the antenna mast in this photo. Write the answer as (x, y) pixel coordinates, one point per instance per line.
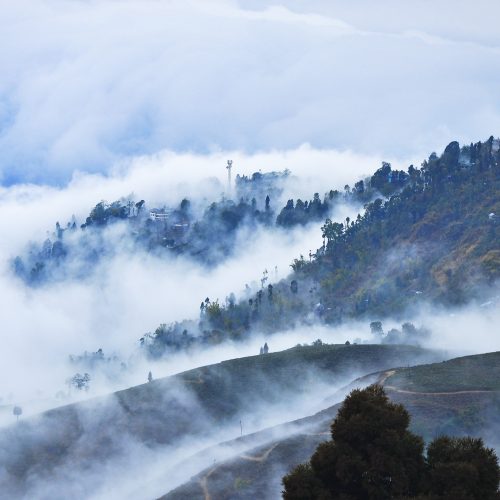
(229, 167)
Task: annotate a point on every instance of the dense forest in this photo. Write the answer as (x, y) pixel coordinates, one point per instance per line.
(433, 236)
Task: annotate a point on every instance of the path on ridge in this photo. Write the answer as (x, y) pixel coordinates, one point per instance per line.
(385, 375)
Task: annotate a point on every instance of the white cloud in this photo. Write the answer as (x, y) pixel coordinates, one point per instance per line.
(87, 83)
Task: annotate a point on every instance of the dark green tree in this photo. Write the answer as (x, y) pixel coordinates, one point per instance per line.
(462, 469)
(376, 328)
(372, 454)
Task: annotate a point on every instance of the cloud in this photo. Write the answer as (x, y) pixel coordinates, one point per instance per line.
(86, 84)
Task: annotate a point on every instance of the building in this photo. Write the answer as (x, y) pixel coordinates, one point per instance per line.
(159, 214)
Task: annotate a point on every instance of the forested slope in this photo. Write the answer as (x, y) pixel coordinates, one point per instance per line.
(434, 239)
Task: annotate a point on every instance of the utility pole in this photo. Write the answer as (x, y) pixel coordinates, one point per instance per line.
(229, 167)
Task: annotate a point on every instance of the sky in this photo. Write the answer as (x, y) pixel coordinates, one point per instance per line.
(88, 84)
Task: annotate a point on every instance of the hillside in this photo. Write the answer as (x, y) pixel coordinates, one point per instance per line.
(255, 471)
(480, 372)
(206, 231)
(456, 397)
(460, 396)
(205, 403)
(434, 239)
(428, 234)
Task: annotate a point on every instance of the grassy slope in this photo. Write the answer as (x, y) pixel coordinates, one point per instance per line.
(460, 396)
(222, 385)
(255, 474)
(459, 412)
(259, 460)
(165, 410)
(468, 373)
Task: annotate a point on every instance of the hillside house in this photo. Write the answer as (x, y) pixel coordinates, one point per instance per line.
(160, 215)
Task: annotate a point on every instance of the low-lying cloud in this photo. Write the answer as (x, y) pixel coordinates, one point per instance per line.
(132, 292)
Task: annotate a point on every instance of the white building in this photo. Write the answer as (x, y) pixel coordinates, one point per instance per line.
(159, 215)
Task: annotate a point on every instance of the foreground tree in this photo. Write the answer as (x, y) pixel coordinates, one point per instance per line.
(373, 455)
(462, 469)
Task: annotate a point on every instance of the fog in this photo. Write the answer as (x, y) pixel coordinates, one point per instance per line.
(131, 462)
(470, 330)
(131, 292)
(149, 435)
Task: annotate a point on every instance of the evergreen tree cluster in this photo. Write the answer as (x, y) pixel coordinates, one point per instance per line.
(372, 455)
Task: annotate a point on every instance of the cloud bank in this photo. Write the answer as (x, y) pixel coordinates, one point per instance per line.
(85, 84)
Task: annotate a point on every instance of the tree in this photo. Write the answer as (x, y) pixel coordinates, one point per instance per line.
(139, 205)
(372, 454)
(298, 264)
(462, 469)
(376, 328)
(17, 411)
(150, 377)
(451, 156)
(214, 313)
(80, 381)
(332, 231)
(185, 205)
(360, 187)
(303, 484)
